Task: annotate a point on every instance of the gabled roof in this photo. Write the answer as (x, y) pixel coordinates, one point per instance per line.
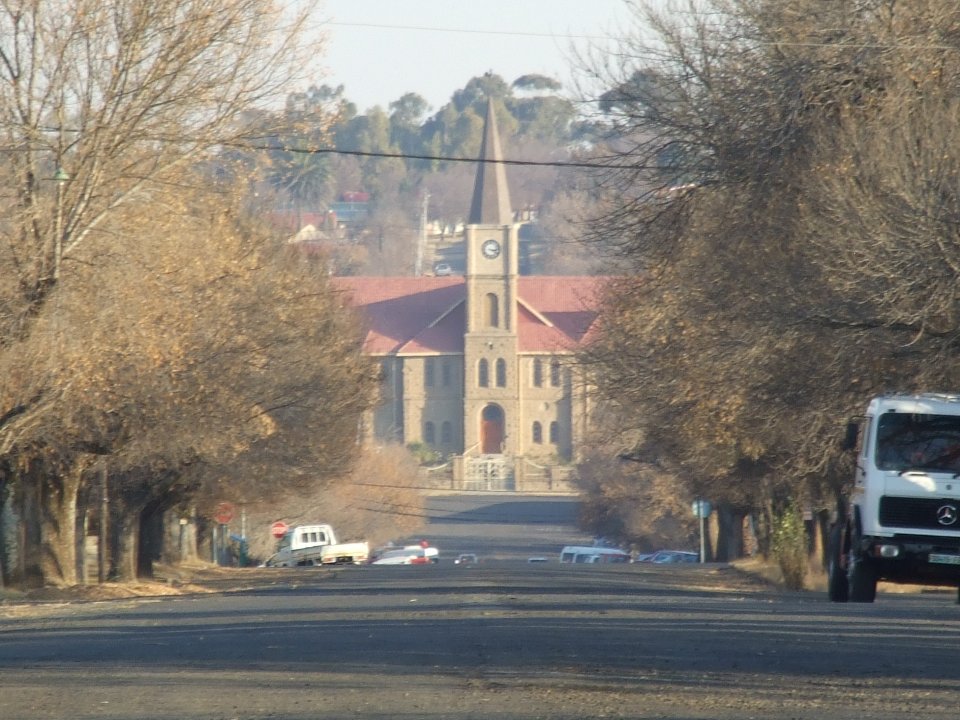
(407, 312)
(556, 312)
(427, 315)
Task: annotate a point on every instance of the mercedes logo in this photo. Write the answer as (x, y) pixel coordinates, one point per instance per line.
(947, 514)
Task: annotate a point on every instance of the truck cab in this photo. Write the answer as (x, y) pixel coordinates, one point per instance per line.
(902, 521)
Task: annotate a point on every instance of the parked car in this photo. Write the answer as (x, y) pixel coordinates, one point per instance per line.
(441, 269)
(593, 554)
(662, 557)
(409, 555)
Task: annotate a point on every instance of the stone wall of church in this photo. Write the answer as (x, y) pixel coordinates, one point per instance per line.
(385, 424)
(545, 408)
(433, 402)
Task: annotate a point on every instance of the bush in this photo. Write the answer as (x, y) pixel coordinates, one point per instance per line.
(424, 454)
(789, 546)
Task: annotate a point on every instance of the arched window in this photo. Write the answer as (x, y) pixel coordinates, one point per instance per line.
(446, 433)
(501, 372)
(429, 435)
(492, 310)
(537, 372)
(537, 433)
(555, 373)
(483, 373)
(555, 432)
(429, 370)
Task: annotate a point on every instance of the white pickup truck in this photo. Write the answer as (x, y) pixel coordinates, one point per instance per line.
(316, 545)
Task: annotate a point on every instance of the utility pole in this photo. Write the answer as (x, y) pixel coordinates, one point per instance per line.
(102, 555)
(422, 239)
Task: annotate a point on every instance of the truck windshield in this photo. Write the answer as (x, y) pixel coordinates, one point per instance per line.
(908, 441)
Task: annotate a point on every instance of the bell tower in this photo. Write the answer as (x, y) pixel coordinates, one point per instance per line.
(491, 404)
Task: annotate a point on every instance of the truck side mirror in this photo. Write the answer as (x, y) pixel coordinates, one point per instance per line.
(850, 439)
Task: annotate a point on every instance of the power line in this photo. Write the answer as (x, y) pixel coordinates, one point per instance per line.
(624, 38)
(471, 31)
(438, 158)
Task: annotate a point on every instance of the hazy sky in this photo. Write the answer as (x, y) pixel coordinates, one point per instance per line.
(381, 49)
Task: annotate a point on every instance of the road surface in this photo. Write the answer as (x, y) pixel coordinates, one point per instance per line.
(504, 639)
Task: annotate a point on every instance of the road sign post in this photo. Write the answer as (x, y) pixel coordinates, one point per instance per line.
(701, 510)
(279, 529)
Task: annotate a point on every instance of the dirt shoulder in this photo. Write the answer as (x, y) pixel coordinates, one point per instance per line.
(167, 580)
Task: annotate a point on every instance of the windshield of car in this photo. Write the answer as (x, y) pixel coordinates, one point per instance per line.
(907, 441)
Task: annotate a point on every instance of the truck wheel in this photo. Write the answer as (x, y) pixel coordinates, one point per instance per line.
(863, 581)
(837, 587)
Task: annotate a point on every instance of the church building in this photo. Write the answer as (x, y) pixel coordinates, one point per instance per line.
(478, 368)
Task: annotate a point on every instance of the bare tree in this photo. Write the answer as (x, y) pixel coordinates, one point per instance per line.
(106, 112)
(780, 180)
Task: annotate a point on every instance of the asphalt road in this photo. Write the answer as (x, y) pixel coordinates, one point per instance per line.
(500, 526)
(505, 639)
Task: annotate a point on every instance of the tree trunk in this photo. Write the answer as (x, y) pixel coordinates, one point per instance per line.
(80, 533)
(821, 534)
(730, 534)
(125, 534)
(29, 572)
(59, 525)
(150, 546)
(180, 537)
(4, 542)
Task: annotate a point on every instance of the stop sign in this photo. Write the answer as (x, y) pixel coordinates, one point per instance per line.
(223, 513)
(279, 529)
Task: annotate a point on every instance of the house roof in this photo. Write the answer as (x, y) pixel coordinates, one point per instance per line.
(427, 315)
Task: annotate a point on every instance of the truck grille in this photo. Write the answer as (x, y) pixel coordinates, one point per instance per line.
(906, 512)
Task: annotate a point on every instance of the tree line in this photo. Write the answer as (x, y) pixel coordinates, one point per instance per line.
(163, 347)
(399, 155)
(159, 348)
(781, 192)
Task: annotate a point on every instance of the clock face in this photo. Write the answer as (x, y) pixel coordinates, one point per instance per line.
(490, 249)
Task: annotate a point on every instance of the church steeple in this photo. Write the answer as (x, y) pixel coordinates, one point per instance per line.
(491, 198)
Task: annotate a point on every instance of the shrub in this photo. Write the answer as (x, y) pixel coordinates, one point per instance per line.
(789, 546)
(424, 454)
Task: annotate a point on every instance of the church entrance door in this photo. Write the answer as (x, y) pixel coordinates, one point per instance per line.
(491, 430)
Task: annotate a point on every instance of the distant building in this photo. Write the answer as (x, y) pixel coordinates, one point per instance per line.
(351, 207)
(478, 367)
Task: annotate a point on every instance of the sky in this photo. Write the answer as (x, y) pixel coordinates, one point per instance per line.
(381, 49)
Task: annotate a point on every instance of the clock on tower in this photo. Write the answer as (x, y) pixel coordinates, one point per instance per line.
(490, 249)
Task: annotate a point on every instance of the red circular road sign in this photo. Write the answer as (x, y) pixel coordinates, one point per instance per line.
(223, 513)
(279, 529)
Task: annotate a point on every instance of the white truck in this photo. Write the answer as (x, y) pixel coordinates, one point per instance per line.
(316, 545)
(901, 522)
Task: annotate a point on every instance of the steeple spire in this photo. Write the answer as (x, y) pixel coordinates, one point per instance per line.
(491, 198)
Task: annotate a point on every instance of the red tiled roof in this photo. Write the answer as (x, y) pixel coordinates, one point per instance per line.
(568, 303)
(427, 315)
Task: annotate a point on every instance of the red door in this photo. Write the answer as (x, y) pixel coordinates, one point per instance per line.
(491, 430)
